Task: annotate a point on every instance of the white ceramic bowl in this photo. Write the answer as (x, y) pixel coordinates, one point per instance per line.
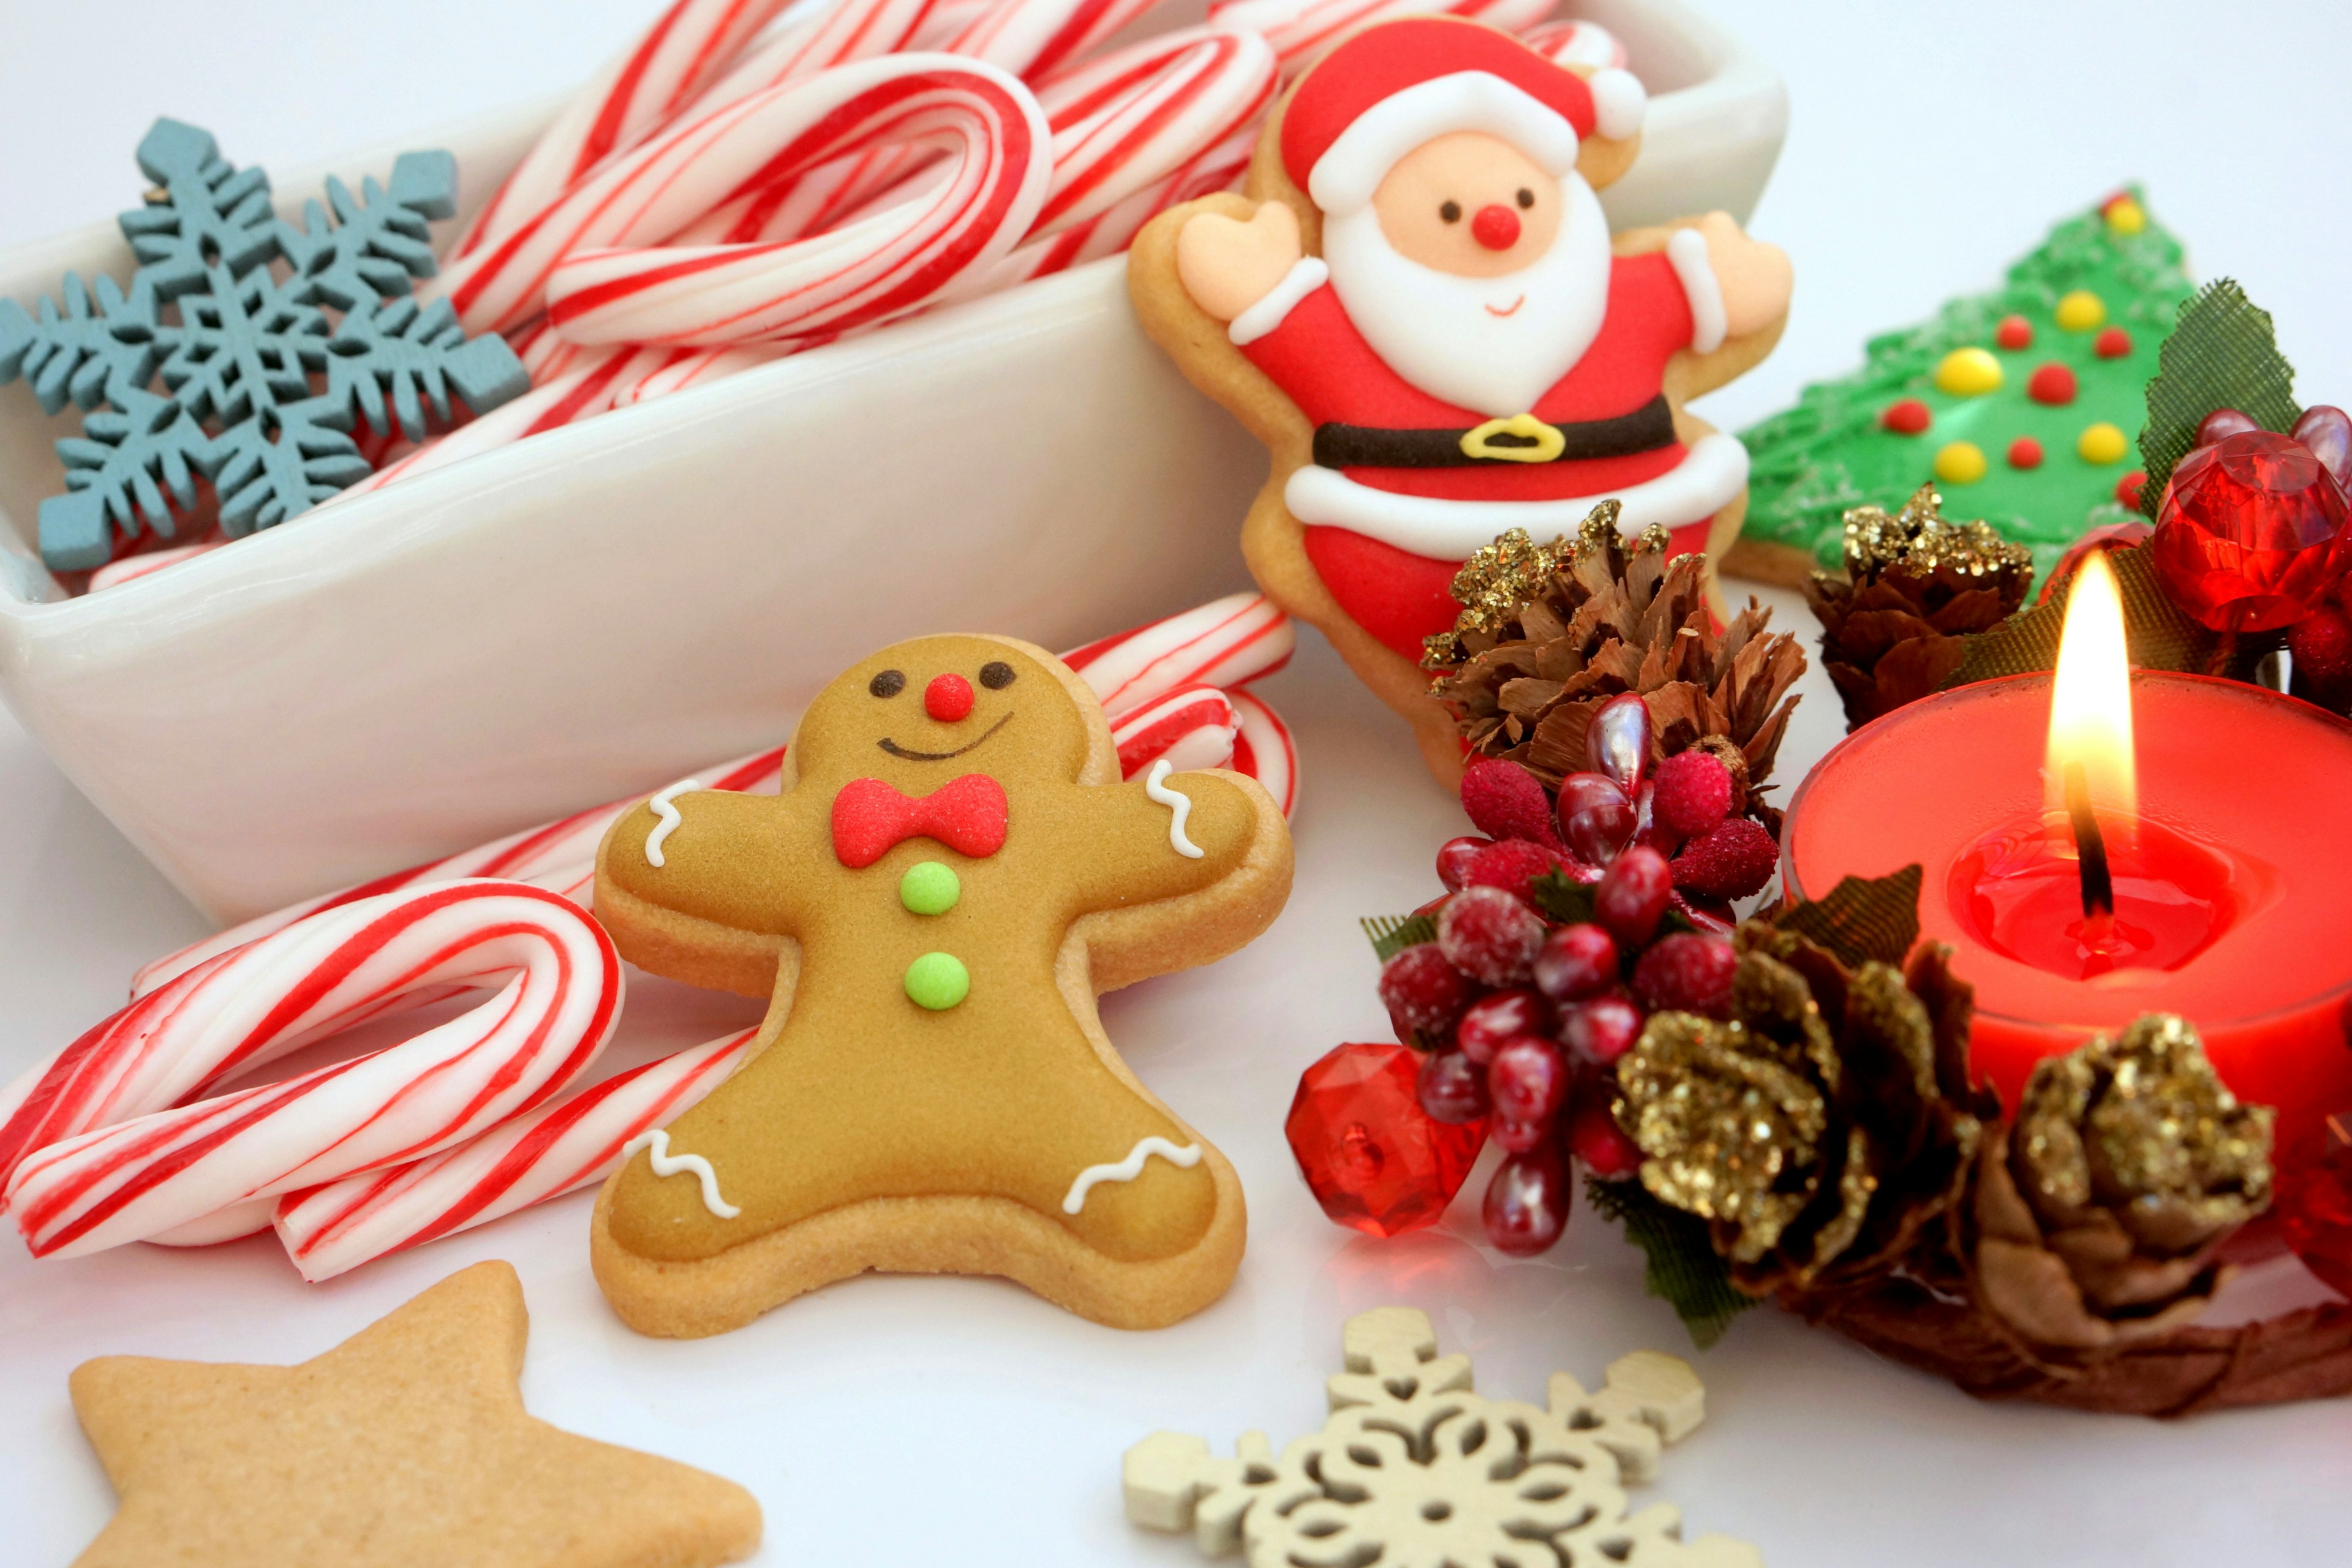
(589, 611)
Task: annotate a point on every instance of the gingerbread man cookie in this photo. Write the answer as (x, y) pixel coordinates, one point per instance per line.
(952, 874)
(1420, 309)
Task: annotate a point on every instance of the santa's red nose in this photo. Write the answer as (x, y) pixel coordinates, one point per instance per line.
(1496, 228)
(948, 698)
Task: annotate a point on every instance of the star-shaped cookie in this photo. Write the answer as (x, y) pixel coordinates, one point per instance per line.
(405, 1444)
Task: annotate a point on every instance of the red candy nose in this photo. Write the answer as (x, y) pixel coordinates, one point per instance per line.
(1496, 228)
(948, 698)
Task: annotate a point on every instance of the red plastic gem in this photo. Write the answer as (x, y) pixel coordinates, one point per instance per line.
(1907, 417)
(2315, 1207)
(2053, 383)
(2014, 332)
(2025, 452)
(2251, 533)
(1371, 1156)
(2113, 342)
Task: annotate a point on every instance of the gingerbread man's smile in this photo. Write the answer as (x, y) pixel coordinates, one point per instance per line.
(895, 749)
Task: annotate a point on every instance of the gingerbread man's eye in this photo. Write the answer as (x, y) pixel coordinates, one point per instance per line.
(889, 683)
(996, 675)
(1451, 212)
(1526, 198)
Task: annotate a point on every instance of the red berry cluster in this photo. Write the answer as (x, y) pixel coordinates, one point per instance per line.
(1524, 1016)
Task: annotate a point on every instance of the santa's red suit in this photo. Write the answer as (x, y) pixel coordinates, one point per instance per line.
(1404, 485)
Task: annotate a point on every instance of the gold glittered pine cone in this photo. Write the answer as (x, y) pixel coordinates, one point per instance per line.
(1548, 633)
(2100, 1209)
(1826, 1129)
(1915, 586)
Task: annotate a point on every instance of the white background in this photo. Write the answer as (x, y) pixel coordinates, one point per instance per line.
(909, 1421)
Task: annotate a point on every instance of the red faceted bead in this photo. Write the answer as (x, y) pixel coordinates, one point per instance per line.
(2251, 533)
(1371, 1156)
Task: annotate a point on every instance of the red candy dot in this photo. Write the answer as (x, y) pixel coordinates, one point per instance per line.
(2127, 489)
(2014, 332)
(1907, 417)
(2114, 342)
(2025, 452)
(2053, 383)
(948, 698)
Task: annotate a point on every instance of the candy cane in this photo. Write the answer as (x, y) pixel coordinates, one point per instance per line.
(611, 285)
(1225, 643)
(95, 1159)
(1033, 38)
(1301, 30)
(554, 1150)
(1192, 727)
(1265, 750)
(1587, 44)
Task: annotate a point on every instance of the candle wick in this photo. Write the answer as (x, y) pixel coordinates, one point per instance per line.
(2090, 846)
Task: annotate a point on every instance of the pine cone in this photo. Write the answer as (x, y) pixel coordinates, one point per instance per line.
(2099, 1211)
(1548, 633)
(1826, 1127)
(1912, 589)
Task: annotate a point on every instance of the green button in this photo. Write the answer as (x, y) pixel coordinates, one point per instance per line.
(930, 888)
(938, 981)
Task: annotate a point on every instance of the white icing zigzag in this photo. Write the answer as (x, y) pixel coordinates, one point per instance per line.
(668, 1165)
(1178, 802)
(669, 818)
(1126, 1169)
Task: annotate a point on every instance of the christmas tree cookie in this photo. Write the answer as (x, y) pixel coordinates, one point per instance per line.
(2020, 404)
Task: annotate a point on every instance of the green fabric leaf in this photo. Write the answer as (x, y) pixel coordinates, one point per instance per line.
(2158, 633)
(1561, 898)
(1863, 918)
(2221, 355)
(1683, 1267)
(1391, 934)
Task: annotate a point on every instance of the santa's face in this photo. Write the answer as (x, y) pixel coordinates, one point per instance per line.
(1469, 203)
(1475, 274)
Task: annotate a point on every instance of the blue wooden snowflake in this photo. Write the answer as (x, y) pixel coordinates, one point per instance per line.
(270, 342)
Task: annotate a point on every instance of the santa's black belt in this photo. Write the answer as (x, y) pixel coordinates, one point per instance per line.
(1521, 439)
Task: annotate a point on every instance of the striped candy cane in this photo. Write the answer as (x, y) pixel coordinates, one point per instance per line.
(1265, 750)
(1301, 30)
(108, 1141)
(1226, 642)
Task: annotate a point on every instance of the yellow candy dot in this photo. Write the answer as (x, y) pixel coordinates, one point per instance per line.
(2081, 311)
(2101, 443)
(1969, 372)
(2125, 216)
(1960, 463)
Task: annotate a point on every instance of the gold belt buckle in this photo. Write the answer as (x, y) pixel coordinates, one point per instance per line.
(1547, 442)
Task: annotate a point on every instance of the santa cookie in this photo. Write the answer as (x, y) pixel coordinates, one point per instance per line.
(1420, 309)
(952, 874)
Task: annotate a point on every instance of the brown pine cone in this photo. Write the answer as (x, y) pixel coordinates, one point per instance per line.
(1913, 586)
(1822, 1131)
(2098, 1213)
(1548, 633)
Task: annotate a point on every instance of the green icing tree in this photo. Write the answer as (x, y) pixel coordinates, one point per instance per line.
(1834, 449)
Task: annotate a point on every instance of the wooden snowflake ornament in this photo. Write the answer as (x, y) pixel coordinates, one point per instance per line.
(1415, 1470)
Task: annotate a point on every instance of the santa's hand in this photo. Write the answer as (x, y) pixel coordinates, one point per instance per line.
(1227, 265)
(1755, 277)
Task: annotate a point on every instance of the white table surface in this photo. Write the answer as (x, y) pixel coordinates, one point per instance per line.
(915, 1421)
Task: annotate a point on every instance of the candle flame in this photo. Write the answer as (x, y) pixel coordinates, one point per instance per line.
(2090, 700)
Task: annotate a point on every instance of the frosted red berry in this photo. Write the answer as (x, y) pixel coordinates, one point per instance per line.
(1729, 860)
(1494, 1019)
(1693, 793)
(1526, 1201)
(1454, 860)
(1505, 801)
(1372, 1158)
(1577, 961)
(1686, 973)
(1526, 1080)
(1512, 864)
(1632, 894)
(1452, 1088)
(1599, 1143)
(1490, 936)
(1423, 992)
(1600, 1031)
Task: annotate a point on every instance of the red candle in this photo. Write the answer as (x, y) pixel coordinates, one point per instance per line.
(2230, 875)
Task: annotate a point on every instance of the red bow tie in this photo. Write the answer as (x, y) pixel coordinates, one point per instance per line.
(869, 818)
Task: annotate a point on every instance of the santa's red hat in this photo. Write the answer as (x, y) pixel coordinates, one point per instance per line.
(1391, 87)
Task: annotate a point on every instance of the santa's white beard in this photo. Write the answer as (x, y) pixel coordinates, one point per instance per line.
(1435, 329)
